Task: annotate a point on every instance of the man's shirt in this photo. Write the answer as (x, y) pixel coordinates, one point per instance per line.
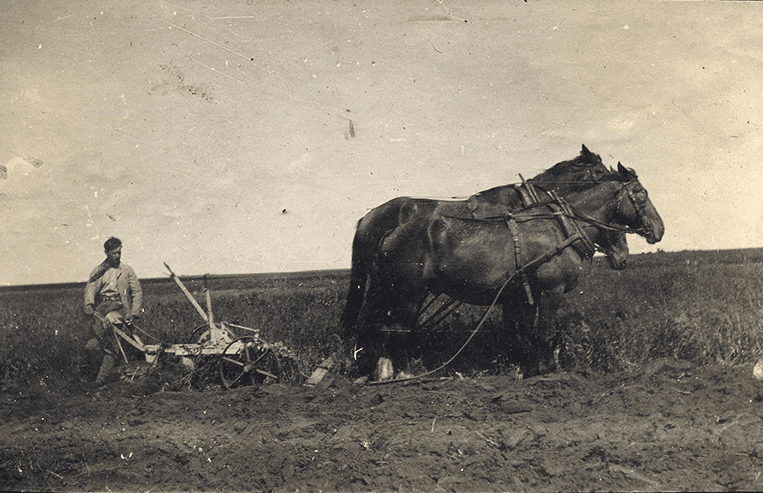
(109, 287)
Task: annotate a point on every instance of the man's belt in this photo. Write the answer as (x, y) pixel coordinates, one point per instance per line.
(111, 298)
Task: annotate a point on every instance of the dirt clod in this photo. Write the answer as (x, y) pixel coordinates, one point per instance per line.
(669, 426)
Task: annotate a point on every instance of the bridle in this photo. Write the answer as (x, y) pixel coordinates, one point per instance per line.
(640, 209)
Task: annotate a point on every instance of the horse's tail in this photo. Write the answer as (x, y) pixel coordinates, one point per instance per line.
(356, 295)
(370, 231)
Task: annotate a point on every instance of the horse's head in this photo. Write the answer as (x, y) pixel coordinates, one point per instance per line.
(576, 174)
(615, 247)
(589, 163)
(635, 209)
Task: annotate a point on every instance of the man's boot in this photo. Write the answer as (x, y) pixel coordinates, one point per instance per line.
(106, 366)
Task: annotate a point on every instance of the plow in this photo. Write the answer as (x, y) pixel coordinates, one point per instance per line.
(241, 359)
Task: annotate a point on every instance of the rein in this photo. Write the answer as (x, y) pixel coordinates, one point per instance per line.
(575, 214)
(616, 227)
(565, 210)
(463, 346)
(521, 271)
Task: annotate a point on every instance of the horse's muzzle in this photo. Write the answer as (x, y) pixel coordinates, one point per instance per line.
(617, 264)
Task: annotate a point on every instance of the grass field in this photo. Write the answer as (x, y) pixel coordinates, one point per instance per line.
(705, 307)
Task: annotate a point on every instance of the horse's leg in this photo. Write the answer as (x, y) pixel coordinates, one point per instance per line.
(388, 317)
(519, 322)
(372, 337)
(401, 335)
(544, 336)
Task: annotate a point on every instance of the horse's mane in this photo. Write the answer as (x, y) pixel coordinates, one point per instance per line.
(586, 159)
(584, 186)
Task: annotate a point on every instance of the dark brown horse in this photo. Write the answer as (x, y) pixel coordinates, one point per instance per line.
(475, 261)
(563, 178)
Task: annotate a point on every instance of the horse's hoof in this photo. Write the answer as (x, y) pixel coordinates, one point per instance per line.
(384, 369)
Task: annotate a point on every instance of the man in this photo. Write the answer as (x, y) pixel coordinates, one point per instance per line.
(114, 292)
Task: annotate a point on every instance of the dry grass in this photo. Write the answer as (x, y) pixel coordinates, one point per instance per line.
(705, 307)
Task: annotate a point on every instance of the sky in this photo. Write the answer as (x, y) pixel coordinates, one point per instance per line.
(247, 136)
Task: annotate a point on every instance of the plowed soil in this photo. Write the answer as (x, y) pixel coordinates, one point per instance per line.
(667, 426)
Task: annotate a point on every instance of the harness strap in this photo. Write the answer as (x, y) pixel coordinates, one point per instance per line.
(527, 201)
(530, 189)
(576, 237)
(549, 254)
(518, 257)
(586, 247)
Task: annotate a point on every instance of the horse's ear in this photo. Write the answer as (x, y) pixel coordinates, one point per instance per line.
(473, 203)
(624, 172)
(584, 151)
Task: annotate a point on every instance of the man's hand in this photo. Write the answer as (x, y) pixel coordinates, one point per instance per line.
(89, 310)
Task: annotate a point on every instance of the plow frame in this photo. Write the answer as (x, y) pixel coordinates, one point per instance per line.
(242, 360)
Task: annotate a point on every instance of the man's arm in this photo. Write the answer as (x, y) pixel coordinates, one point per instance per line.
(91, 287)
(136, 293)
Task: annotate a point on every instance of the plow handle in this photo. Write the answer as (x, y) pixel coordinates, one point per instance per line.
(117, 333)
(188, 294)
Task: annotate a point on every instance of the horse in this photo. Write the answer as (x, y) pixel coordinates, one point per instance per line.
(530, 257)
(615, 247)
(564, 177)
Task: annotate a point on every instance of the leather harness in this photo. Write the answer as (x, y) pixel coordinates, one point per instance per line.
(575, 236)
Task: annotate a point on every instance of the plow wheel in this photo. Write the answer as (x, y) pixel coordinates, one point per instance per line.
(246, 362)
(202, 334)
